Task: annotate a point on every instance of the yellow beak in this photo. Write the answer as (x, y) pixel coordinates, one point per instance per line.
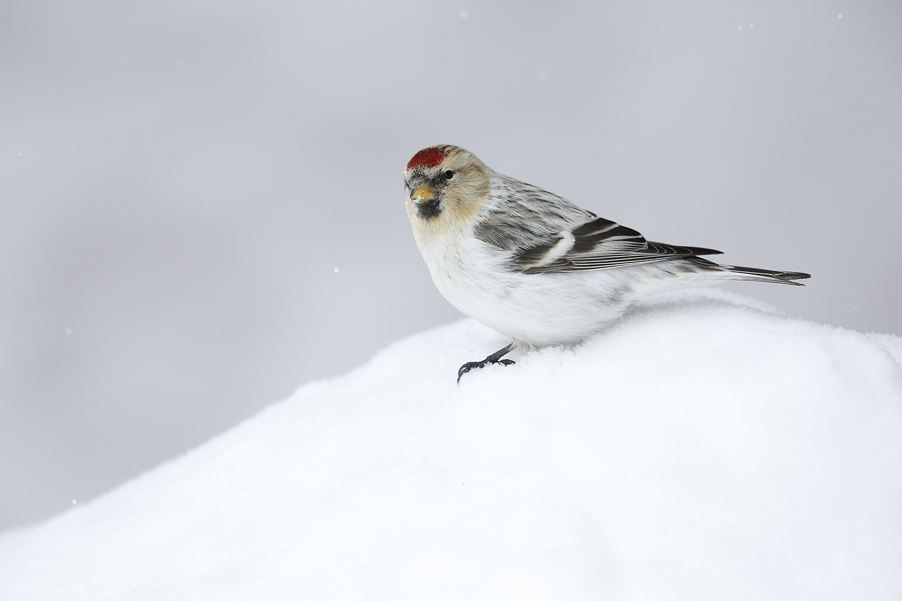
(422, 194)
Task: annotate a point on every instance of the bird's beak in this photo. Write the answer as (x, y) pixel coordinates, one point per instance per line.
(422, 194)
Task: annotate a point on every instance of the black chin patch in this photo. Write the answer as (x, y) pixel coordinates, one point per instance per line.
(430, 209)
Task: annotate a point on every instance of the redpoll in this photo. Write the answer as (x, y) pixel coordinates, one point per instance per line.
(533, 265)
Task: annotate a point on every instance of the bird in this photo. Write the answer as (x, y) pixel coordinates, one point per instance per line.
(535, 266)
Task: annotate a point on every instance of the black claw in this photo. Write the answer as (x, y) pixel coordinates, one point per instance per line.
(492, 359)
(467, 367)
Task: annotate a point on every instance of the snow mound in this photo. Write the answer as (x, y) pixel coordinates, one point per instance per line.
(703, 448)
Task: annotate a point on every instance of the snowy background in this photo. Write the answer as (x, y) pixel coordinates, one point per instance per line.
(703, 449)
(179, 182)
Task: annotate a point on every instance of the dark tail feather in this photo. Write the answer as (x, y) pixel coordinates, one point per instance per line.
(753, 274)
(778, 277)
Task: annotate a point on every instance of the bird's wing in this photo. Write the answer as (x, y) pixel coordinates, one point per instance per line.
(602, 244)
(545, 233)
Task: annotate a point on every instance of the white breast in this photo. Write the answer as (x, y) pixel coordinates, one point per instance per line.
(533, 309)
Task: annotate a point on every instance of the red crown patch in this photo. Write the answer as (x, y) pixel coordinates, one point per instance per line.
(428, 157)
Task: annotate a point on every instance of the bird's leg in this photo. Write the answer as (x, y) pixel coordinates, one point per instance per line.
(490, 360)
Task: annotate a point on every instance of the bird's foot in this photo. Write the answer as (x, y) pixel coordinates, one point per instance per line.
(493, 359)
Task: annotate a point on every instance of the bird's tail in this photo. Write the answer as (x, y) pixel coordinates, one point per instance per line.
(750, 274)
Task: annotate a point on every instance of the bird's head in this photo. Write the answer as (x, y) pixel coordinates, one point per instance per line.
(445, 185)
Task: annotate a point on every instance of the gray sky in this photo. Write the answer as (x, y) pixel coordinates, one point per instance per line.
(181, 180)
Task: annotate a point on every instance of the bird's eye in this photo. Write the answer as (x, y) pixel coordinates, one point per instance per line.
(448, 174)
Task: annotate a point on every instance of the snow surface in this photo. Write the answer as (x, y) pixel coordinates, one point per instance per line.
(703, 448)
(179, 179)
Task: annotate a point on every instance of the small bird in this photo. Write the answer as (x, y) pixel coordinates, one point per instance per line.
(534, 266)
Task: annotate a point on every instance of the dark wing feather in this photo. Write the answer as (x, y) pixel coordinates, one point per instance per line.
(536, 232)
(603, 244)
